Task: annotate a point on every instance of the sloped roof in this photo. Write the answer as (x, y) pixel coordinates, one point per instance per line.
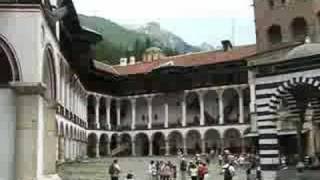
(188, 60)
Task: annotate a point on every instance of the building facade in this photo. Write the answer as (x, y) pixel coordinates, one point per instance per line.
(59, 105)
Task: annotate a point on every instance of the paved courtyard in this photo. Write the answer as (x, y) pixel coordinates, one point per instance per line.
(97, 169)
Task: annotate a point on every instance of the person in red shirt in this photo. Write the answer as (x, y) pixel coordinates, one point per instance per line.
(203, 170)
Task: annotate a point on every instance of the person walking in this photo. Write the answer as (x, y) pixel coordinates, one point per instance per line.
(167, 171)
(228, 171)
(114, 170)
(152, 169)
(193, 171)
(202, 170)
(183, 169)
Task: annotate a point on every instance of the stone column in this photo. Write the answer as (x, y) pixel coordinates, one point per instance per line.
(108, 105)
(133, 114)
(201, 101)
(150, 148)
(184, 111)
(222, 144)
(167, 147)
(184, 143)
(118, 113)
(203, 145)
(221, 107)
(241, 108)
(133, 148)
(97, 114)
(97, 150)
(149, 100)
(166, 115)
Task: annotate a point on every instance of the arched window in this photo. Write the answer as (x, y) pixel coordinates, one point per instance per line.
(274, 34)
(318, 18)
(8, 64)
(299, 29)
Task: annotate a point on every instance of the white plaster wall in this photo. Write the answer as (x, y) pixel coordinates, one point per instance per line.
(7, 134)
(21, 28)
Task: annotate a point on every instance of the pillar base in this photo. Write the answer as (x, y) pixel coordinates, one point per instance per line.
(50, 177)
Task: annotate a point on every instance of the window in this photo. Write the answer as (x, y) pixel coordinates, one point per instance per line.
(299, 29)
(274, 34)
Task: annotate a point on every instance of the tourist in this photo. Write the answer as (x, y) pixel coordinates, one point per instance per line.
(167, 171)
(220, 159)
(193, 171)
(228, 171)
(174, 172)
(183, 169)
(152, 169)
(114, 170)
(161, 170)
(202, 170)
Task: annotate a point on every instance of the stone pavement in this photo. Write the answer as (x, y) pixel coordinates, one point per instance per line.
(291, 174)
(97, 169)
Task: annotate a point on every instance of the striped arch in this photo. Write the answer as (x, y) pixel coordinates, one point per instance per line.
(283, 90)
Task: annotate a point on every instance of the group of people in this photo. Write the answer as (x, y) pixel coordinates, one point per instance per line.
(196, 169)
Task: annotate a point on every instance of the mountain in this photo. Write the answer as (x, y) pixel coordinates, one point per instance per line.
(165, 38)
(119, 41)
(206, 47)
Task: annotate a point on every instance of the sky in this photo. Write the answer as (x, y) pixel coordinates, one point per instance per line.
(196, 21)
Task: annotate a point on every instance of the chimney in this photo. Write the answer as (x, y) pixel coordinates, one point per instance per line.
(123, 61)
(132, 60)
(227, 45)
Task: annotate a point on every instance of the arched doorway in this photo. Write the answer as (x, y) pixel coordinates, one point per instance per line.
(142, 118)
(158, 112)
(126, 142)
(175, 139)
(212, 141)
(299, 29)
(193, 139)
(92, 145)
(142, 144)
(232, 140)
(211, 108)
(274, 34)
(103, 145)
(113, 114)
(114, 143)
(103, 113)
(158, 144)
(193, 109)
(126, 114)
(231, 106)
(91, 112)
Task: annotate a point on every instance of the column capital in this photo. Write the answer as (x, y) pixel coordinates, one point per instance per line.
(220, 92)
(133, 100)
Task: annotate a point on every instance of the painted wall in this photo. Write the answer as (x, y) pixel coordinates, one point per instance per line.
(7, 134)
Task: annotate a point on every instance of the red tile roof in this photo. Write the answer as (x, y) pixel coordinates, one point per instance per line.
(187, 60)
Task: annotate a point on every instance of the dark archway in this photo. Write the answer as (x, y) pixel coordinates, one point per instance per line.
(114, 142)
(142, 144)
(91, 112)
(211, 108)
(232, 140)
(231, 106)
(158, 144)
(103, 114)
(299, 29)
(274, 34)
(175, 139)
(49, 74)
(113, 114)
(126, 142)
(103, 145)
(193, 109)
(212, 140)
(92, 145)
(193, 139)
(9, 68)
